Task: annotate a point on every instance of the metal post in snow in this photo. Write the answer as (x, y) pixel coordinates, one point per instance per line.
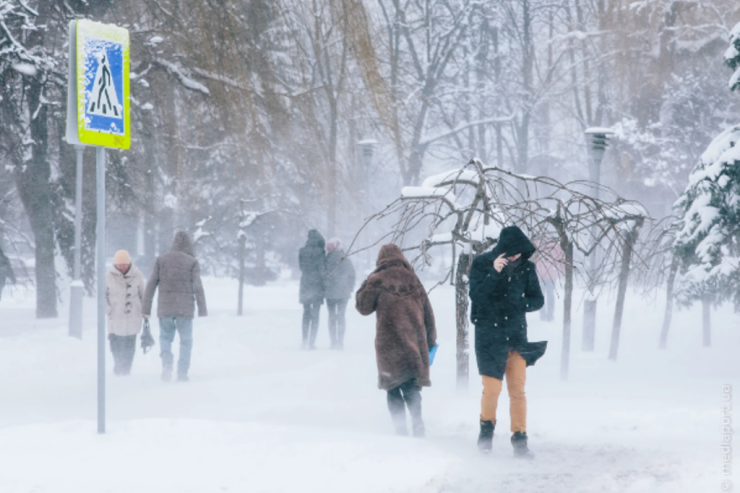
(100, 178)
(77, 288)
(597, 147)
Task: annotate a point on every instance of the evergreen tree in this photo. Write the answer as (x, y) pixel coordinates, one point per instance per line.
(709, 211)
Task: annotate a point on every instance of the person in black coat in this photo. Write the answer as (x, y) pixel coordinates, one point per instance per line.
(503, 288)
(312, 261)
(340, 283)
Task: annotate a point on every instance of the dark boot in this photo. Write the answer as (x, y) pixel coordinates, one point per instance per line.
(485, 437)
(115, 349)
(128, 351)
(412, 396)
(397, 410)
(519, 442)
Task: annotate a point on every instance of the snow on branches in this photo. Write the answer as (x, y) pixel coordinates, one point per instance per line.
(709, 227)
(465, 209)
(732, 57)
(709, 210)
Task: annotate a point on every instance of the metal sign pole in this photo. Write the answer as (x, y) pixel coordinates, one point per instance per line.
(77, 288)
(100, 177)
(98, 114)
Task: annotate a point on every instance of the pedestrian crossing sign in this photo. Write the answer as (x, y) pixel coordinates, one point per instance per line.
(102, 77)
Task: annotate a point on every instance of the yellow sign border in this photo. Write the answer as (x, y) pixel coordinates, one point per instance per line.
(119, 35)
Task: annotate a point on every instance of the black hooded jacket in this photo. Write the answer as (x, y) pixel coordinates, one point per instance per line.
(500, 301)
(312, 261)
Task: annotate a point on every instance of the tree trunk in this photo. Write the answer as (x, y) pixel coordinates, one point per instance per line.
(242, 254)
(567, 307)
(32, 181)
(461, 305)
(624, 273)
(668, 304)
(259, 251)
(706, 322)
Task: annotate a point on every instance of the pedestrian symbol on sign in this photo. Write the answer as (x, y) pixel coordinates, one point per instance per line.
(98, 110)
(104, 101)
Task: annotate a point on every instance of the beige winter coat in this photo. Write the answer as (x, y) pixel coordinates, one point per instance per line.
(123, 297)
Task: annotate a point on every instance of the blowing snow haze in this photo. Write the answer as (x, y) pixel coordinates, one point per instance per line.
(297, 277)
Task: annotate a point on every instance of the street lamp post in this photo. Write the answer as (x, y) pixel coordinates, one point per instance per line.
(597, 138)
(367, 150)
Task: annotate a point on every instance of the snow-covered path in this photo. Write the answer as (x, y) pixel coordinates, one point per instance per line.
(260, 415)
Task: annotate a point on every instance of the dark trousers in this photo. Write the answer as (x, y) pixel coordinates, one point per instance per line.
(408, 394)
(310, 323)
(123, 349)
(337, 322)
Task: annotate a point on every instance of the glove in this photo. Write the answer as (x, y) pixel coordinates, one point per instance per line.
(432, 354)
(147, 341)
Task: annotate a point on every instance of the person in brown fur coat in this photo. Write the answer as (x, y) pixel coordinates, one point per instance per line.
(405, 332)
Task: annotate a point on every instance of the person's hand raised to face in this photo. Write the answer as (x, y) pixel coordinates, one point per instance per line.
(502, 260)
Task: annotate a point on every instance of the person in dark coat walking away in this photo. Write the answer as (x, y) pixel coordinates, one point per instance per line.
(177, 274)
(503, 288)
(124, 292)
(405, 331)
(340, 283)
(312, 262)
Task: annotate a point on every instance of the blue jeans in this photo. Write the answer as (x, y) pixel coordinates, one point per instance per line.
(167, 328)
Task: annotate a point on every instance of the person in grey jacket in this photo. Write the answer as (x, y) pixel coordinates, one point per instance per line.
(177, 274)
(124, 290)
(339, 285)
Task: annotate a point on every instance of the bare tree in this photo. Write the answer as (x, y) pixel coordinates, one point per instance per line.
(465, 209)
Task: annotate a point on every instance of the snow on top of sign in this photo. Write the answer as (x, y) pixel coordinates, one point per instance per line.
(455, 174)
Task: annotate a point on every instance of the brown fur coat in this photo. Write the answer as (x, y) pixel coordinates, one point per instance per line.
(405, 321)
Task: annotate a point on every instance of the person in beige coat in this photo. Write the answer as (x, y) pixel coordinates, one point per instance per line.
(124, 292)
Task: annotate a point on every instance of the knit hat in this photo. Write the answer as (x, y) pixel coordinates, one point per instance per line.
(121, 257)
(334, 244)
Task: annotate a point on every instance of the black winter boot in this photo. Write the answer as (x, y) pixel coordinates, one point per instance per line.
(485, 437)
(519, 442)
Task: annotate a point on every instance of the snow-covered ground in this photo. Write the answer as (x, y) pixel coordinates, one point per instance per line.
(260, 415)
